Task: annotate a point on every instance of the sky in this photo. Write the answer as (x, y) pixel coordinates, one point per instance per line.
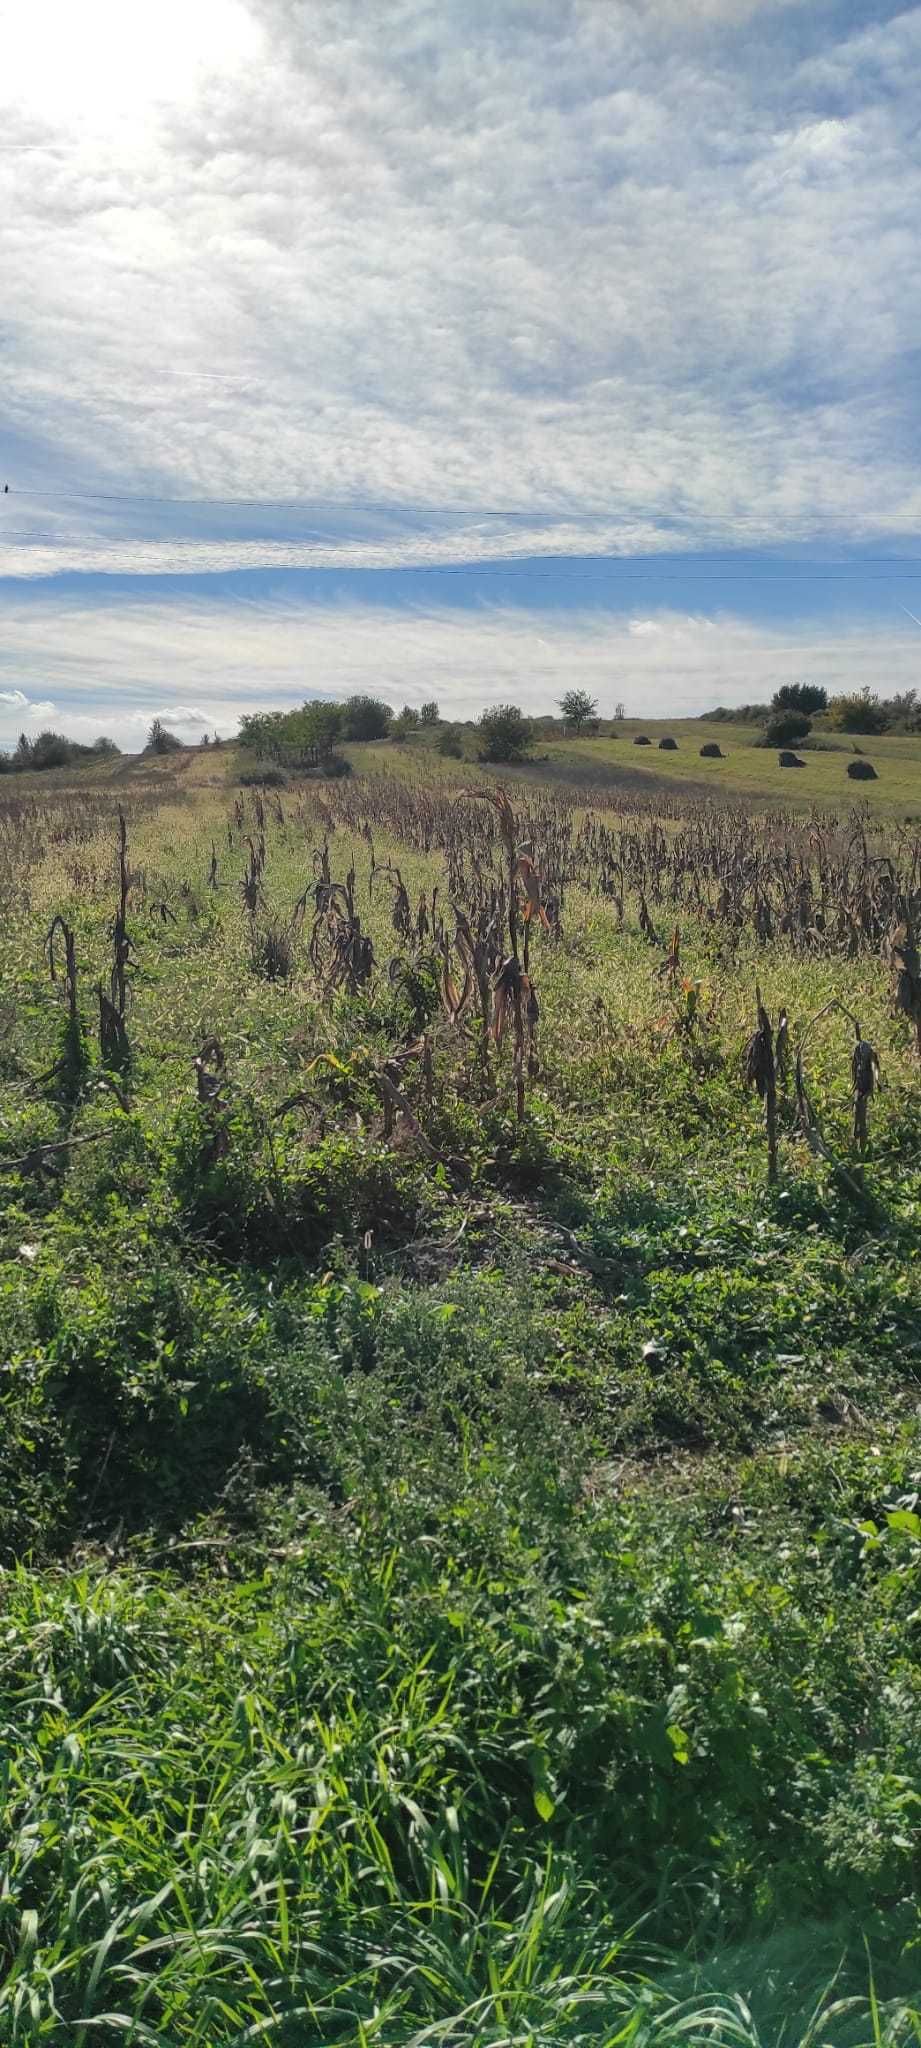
(459, 350)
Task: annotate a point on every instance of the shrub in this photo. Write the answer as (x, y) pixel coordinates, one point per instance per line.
(668, 745)
(161, 741)
(504, 734)
(449, 743)
(786, 729)
(861, 771)
(806, 697)
(859, 711)
(366, 718)
(263, 775)
(789, 760)
(429, 713)
(641, 740)
(712, 751)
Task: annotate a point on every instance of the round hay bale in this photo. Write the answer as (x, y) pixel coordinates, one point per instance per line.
(668, 745)
(861, 771)
(790, 760)
(641, 740)
(712, 751)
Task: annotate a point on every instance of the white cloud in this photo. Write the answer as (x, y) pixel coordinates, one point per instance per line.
(655, 262)
(245, 658)
(42, 709)
(14, 698)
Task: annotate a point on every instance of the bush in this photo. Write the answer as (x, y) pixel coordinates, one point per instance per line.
(668, 745)
(263, 775)
(366, 718)
(450, 744)
(161, 741)
(789, 760)
(786, 728)
(429, 713)
(806, 697)
(860, 711)
(504, 734)
(641, 740)
(861, 771)
(712, 751)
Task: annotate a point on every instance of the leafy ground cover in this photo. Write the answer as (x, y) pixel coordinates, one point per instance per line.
(461, 1567)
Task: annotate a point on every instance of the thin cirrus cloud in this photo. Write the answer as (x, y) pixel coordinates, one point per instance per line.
(414, 285)
(113, 670)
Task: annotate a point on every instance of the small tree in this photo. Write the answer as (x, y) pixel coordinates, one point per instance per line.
(429, 713)
(806, 697)
(160, 740)
(859, 711)
(504, 734)
(577, 708)
(407, 721)
(450, 744)
(786, 728)
(619, 713)
(51, 750)
(365, 718)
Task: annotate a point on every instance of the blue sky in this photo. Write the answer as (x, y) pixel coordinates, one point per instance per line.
(458, 351)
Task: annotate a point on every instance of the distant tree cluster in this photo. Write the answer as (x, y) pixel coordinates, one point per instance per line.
(856, 711)
(308, 737)
(738, 714)
(53, 750)
(864, 711)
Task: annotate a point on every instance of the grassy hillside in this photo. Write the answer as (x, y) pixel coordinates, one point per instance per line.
(746, 772)
(459, 1512)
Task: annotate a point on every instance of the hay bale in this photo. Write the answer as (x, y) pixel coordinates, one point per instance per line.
(790, 760)
(641, 740)
(668, 745)
(861, 771)
(712, 751)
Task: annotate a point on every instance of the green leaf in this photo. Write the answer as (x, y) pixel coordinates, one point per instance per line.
(678, 1738)
(543, 1802)
(902, 1518)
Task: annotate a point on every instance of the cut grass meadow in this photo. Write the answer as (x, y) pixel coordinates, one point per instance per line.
(461, 1569)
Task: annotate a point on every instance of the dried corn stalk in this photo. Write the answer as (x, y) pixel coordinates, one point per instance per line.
(865, 1079)
(903, 953)
(760, 1073)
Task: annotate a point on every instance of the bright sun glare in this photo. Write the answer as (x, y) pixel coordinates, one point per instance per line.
(97, 62)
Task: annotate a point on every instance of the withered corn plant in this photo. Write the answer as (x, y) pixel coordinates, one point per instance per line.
(341, 954)
(114, 1045)
(903, 953)
(865, 1080)
(760, 1073)
(73, 1061)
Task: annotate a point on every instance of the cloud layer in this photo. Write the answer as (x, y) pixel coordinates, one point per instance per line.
(114, 669)
(658, 263)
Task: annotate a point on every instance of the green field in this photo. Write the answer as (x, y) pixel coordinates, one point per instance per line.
(460, 1509)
